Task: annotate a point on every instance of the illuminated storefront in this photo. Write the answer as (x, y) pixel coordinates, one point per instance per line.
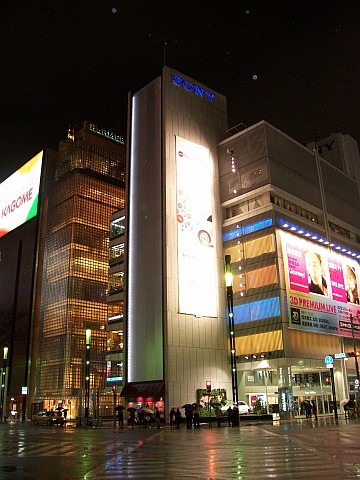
(295, 281)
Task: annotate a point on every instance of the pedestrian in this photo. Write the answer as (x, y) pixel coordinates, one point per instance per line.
(229, 416)
(235, 416)
(218, 416)
(120, 418)
(178, 418)
(172, 417)
(314, 409)
(131, 418)
(196, 412)
(65, 411)
(148, 419)
(157, 417)
(189, 417)
(308, 408)
(141, 418)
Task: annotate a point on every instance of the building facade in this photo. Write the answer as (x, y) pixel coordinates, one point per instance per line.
(176, 333)
(280, 211)
(115, 301)
(290, 219)
(88, 185)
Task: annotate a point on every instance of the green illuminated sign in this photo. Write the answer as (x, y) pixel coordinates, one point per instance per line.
(107, 133)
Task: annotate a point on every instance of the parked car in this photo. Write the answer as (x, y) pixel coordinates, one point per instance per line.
(243, 407)
(48, 418)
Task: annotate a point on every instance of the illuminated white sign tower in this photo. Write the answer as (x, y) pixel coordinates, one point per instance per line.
(176, 330)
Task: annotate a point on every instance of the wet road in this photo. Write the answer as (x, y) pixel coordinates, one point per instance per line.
(302, 449)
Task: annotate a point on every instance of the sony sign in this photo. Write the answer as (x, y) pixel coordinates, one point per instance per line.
(190, 87)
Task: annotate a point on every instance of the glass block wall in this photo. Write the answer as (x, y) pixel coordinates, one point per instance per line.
(88, 186)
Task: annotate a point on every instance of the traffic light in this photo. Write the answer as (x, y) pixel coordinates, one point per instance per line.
(353, 354)
(208, 386)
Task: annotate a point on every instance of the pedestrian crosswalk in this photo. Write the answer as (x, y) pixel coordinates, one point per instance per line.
(65, 448)
(293, 452)
(242, 454)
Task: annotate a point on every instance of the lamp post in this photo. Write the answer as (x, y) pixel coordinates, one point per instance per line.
(356, 363)
(87, 373)
(230, 306)
(3, 385)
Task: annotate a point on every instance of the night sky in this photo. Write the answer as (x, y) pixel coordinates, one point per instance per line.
(294, 64)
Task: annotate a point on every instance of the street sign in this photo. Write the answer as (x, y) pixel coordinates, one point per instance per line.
(340, 355)
(329, 361)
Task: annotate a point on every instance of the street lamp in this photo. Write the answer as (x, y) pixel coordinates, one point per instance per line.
(230, 306)
(3, 385)
(87, 372)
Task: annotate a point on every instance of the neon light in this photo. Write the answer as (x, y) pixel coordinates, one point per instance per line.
(106, 133)
(191, 87)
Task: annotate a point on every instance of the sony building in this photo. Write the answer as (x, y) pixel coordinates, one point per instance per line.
(176, 331)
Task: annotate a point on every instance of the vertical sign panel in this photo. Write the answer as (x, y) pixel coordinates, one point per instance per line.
(196, 248)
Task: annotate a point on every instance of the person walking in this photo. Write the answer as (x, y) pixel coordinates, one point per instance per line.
(196, 412)
(189, 417)
(120, 418)
(157, 417)
(308, 408)
(132, 418)
(314, 409)
(172, 418)
(230, 416)
(178, 418)
(218, 416)
(235, 416)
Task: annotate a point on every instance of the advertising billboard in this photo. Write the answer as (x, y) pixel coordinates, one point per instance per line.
(321, 286)
(196, 247)
(20, 195)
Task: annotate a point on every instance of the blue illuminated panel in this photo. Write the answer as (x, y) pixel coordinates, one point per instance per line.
(267, 308)
(253, 227)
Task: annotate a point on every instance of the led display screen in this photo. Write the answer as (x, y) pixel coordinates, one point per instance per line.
(20, 195)
(196, 240)
(321, 286)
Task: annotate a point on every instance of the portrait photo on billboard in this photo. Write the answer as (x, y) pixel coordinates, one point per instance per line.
(317, 271)
(351, 284)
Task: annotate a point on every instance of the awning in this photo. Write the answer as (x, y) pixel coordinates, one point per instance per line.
(144, 389)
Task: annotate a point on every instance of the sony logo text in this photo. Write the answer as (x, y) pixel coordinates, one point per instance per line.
(190, 87)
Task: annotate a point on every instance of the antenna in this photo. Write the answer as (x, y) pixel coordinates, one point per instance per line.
(164, 46)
